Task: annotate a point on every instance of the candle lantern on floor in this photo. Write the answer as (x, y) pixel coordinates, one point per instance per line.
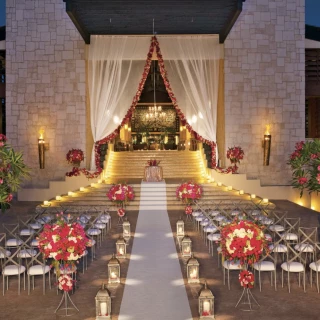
(121, 248)
(126, 233)
(180, 230)
(186, 247)
(193, 270)
(114, 271)
(103, 304)
(206, 303)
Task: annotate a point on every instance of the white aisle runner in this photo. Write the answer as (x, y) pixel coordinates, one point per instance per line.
(154, 287)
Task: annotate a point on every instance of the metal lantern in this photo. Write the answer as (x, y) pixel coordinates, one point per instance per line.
(186, 247)
(180, 230)
(126, 233)
(103, 304)
(206, 303)
(193, 270)
(114, 270)
(121, 247)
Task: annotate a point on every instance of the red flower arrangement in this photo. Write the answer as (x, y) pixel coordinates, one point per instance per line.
(121, 193)
(65, 283)
(246, 279)
(63, 242)
(235, 154)
(243, 241)
(188, 191)
(206, 313)
(75, 156)
(121, 212)
(188, 210)
(153, 163)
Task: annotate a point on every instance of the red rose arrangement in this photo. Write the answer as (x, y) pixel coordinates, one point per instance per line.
(246, 279)
(120, 193)
(153, 163)
(65, 283)
(188, 210)
(75, 156)
(235, 154)
(121, 212)
(188, 191)
(63, 242)
(244, 241)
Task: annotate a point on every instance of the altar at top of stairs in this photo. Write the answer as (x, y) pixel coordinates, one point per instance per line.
(175, 164)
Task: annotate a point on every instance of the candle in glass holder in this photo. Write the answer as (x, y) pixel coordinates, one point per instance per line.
(187, 250)
(241, 192)
(58, 198)
(46, 203)
(253, 196)
(193, 273)
(229, 188)
(180, 230)
(82, 188)
(265, 200)
(113, 275)
(206, 306)
(103, 308)
(70, 193)
(121, 251)
(219, 184)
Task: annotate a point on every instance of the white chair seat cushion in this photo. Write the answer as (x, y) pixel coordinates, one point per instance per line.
(4, 254)
(12, 270)
(26, 232)
(34, 243)
(278, 248)
(13, 242)
(199, 218)
(266, 221)
(204, 223)
(83, 219)
(255, 212)
(93, 232)
(100, 225)
(219, 218)
(210, 229)
(38, 270)
(35, 226)
(232, 265)
(304, 247)
(291, 236)
(276, 227)
(292, 266)
(235, 212)
(315, 266)
(264, 266)
(214, 237)
(196, 213)
(27, 253)
(214, 213)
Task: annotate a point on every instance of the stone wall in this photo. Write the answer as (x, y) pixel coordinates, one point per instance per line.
(45, 87)
(265, 84)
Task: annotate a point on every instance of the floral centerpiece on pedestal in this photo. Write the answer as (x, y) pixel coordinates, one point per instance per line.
(75, 156)
(121, 194)
(235, 154)
(305, 166)
(153, 163)
(188, 192)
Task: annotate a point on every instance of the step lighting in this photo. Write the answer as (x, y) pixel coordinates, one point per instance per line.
(82, 189)
(241, 192)
(253, 196)
(58, 198)
(70, 193)
(46, 203)
(265, 200)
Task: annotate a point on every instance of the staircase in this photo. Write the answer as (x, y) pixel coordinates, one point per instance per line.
(185, 165)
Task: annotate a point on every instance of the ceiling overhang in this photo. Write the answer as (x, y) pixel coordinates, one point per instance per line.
(126, 17)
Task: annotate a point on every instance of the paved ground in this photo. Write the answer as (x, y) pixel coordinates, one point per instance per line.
(274, 305)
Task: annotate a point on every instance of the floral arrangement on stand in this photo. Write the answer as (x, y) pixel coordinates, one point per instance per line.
(64, 242)
(305, 166)
(246, 279)
(12, 171)
(187, 192)
(65, 283)
(75, 156)
(121, 194)
(153, 163)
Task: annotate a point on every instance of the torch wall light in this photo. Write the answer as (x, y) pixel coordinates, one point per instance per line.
(266, 146)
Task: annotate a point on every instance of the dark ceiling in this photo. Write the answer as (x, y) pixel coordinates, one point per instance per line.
(126, 17)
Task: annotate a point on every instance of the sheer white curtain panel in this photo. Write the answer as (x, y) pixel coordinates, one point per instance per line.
(115, 67)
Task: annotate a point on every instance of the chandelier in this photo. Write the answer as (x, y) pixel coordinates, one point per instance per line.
(155, 112)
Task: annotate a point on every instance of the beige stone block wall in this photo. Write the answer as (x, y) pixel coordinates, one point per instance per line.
(265, 83)
(45, 85)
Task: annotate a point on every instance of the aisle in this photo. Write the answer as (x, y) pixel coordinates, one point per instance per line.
(154, 286)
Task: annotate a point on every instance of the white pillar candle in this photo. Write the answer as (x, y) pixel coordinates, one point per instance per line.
(46, 203)
(82, 189)
(70, 193)
(99, 181)
(180, 230)
(113, 275)
(121, 251)
(206, 306)
(219, 184)
(265, 200)
(58, 198)
(253, 196)
(241, 192)
(103, 308)
(229, 188)
(93, 185)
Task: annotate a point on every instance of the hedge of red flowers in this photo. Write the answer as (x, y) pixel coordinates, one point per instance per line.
(75, 156)
(121, 193)
(244, 241)
(305, 166)
(246, 279)
(188, 191)
(63, 242)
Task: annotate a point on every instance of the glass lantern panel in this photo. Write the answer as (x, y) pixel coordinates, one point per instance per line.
(121, 249)
(193, 273)
(186, 248)
(103, 308)
(114, 273)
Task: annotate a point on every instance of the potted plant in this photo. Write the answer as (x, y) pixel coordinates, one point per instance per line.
(75, 156)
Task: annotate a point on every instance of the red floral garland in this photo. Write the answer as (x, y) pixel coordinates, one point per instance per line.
(154, 45)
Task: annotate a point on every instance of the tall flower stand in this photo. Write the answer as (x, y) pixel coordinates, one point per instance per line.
(66, 307)
(247, 300)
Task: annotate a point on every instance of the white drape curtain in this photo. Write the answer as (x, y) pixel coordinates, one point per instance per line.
(192, 64)
(115, 67)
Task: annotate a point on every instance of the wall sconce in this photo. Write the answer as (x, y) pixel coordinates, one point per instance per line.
(41, 149)
(266, 146)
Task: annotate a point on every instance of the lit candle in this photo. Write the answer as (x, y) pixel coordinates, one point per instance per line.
(187, 249)
(241, 192)
(180, 230)
(93, 185)
(206, 306)
(193, 274)
(99, 181)
(229, 188)
(219, 184)
(313, 208)
(46, 203)
(265, 200)
(121, 251)
(82, 188)
(125, 231)
(253, 196)
(113, 275)
(103, 308)
(70, 193)
(58, 198)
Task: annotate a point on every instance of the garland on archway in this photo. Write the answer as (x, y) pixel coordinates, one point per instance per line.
(153, 46)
